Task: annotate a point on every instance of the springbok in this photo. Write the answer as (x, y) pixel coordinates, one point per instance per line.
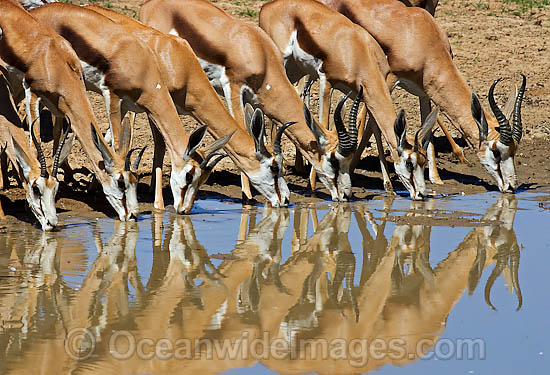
(350, 59)
(420, 58)
(105, 56)
(192, 94)
(244, 66)
(45, 65)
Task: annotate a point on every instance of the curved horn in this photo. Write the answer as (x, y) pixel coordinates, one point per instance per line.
(353, 119)
(127, 159)
(279, 136)
(499, 267)
(138, 159)
(517, 129)
(416, 141)
(59, 149)
(345, 146)
(204, 163)
(477, 268)
(220, 157)
(505, 130)
(41, 158)
(514, 266)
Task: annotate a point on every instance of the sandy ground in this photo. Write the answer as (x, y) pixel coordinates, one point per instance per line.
(490, 39)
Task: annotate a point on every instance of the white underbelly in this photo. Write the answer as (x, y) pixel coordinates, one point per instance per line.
(411, 87)
(94, 78)
(216, 75)
(295, 55)
(15, 78)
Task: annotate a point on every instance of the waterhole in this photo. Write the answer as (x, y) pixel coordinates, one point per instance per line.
(455, 285)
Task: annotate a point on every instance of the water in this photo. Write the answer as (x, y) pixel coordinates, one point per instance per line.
(388, 284)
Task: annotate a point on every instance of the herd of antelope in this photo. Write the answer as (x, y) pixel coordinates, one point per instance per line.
(185, 54)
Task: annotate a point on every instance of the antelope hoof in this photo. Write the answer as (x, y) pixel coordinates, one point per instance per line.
(436, 180)
(159, 205)
(460, 155)
(389, 188)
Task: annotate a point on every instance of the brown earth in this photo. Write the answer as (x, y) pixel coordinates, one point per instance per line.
(490, 39)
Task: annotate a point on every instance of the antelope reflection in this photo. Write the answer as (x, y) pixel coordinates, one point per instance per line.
(254, 291)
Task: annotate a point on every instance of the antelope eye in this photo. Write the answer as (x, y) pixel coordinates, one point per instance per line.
(121, 185)
(496, 154)
(36, 191)
(188, 178)
(409, 165)
(274, 169)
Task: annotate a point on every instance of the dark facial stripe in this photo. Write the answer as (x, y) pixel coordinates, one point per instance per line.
(277, 191)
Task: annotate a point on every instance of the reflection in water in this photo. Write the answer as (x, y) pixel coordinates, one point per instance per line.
(254, 293)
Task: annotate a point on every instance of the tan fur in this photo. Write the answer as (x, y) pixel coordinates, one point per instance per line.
(249, 57)
(53, 72)
(417, 50)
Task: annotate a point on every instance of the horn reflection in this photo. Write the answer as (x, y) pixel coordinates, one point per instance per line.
(320, 288)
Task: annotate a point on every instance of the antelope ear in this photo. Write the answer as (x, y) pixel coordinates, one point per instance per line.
(102, 147)
(257, 129)
(319, 134)
(248, 113)
(426, 133)
(23, 158)
(66, 150)
(195, 140)
(479, 117)
(509, 106)
(125, 137)
(220, 142)
(399, 128)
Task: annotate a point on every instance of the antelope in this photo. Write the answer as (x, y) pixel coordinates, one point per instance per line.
(244, 66)
(419, 56)
(104, 57)
(192, 94)
(50, 69)
(352, 61)
(39, 182)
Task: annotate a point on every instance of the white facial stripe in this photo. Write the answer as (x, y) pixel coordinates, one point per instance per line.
(42, 202)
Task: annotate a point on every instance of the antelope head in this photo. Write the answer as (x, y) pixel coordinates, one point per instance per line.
(185, 182)
(120, 186)
(40, 182)
(498, 144)
(269, 180)
(336, 155)
(413, 159)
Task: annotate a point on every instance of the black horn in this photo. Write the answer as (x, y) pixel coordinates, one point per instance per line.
(415, 147)
(504, 124)
(517, 130)
(127, 160)
(138, 159)
(345, 146)
(41, 158)
(205, 166)
(502, 260)
(279, 136)
(514, 268)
